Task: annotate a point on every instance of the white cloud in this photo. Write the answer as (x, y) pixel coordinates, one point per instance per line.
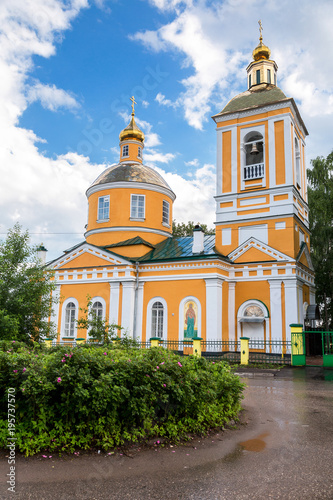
(51, 97)
(152, 157)
(195, 197)
(210, 39)
(192, 163)
(145, 104)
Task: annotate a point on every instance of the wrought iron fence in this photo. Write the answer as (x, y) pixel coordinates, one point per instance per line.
(260, 351)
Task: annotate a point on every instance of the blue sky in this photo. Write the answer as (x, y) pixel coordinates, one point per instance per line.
(69, 68)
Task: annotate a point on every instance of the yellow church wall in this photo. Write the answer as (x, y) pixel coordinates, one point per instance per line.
(280, 239)
(81, 292)
(280, 168)
(132, 250)
(133, 149)
(173, 292)
(120, 207)
(226, 161)
(306, 294)
(253, 255)
(109, 238)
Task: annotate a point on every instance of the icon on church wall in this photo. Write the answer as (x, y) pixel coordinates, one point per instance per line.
(190, 319)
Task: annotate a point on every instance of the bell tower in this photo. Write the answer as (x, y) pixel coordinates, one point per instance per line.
(261, 174)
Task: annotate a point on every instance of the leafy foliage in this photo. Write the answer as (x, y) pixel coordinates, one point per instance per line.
(320, 196)
(25, 290)
(97, 327)
(91, 396)
(181, 229)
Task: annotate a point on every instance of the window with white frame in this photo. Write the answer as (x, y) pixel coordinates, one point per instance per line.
(70, 319)
(157, 313)
(137, 206)
(254, 167)
(125, 150)
(139, 152)
(166, 212)
(97, 308)
(103, 208)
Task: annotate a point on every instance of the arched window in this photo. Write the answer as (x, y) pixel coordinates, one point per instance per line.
(157, 318)
(157, 313)
(98, 309)
(70, 319)
(254, 167)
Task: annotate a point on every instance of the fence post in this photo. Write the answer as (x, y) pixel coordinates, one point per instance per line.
(244, 350)
(297, 345)
(197, 346)
(154, 341)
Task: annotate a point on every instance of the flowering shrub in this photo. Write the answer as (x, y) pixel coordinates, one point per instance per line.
(87, 396)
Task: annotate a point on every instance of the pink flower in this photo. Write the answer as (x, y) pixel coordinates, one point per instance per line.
(105, 353)
(164, 385)
(158, 367)
(44, 456)
(147, 375)
(15, 371)
(63, 360)
(162, 363)
(66, 354)
(23, 389)
(50, 456)
(180, 363)
(13, 341)
(59, 379)
(24, 370)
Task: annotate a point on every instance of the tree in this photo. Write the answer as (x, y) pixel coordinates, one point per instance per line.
(96, 326)
(182, 229)
(25, 290)
(320, 196)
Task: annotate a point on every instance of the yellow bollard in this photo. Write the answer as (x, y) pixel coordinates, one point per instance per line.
(80, 341)
(197, 346)
(244, 350)
(154, 341)
(48, 343)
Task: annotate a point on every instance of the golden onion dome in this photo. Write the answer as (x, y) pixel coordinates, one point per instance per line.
(261, 51)
(132, 132)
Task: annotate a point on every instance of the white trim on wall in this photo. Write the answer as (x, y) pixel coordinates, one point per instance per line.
(149, 316)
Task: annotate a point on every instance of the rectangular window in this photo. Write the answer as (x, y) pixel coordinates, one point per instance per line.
(139, 152)
(249, 81)
(258, 76)
(137, 206)
(166, 212)
(103, 207)
(301, 237)
(125, 150)
(268, 76)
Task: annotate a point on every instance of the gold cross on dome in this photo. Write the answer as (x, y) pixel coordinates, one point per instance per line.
(133, 102)
(260, 28)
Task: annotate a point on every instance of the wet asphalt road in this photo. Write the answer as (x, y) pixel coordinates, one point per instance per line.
(283, 451)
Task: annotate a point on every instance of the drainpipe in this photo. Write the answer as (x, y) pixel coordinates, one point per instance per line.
(136, 298)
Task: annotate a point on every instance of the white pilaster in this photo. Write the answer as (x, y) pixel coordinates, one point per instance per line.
(114, 302)
(127, 314)
(291, 300)
(300, 303)
(275, 309)
(213, 308)
(271, 153)
(231, 311)
(139, 313)
(288, 151)
(219, 165)
(234, 150)
(312, 296)
(56, 308)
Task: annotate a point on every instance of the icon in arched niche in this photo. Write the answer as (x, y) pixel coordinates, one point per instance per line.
(190, 319)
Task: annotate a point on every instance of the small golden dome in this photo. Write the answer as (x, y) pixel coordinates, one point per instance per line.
(261, 51)
(132, 132)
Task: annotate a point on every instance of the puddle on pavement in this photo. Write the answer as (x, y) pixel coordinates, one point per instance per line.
(257, 444)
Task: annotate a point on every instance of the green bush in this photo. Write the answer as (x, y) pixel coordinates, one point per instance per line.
(84, 397)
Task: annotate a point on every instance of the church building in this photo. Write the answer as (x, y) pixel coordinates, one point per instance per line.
(252, 278)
